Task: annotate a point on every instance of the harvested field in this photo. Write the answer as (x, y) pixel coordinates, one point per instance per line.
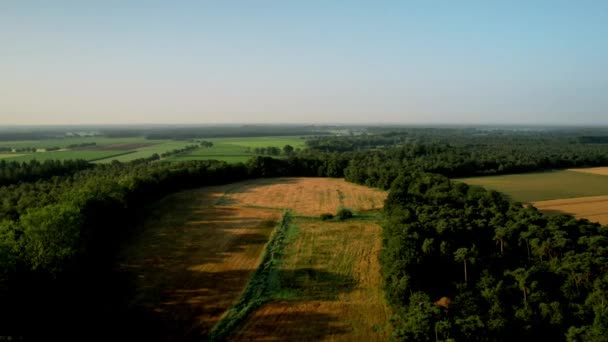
(195, 253)
(305, 196)
(543, 186)
(121, 147)
(602, 171)
(330, 290)
(193, 259)
(593, 208)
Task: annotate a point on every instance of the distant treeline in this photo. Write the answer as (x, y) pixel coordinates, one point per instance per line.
(354, 143)
(593, 140)
(287, 150)
(17, 172)
(379, 168)
(187, 133)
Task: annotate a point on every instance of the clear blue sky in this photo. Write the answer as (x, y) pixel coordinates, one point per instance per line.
(304, 61)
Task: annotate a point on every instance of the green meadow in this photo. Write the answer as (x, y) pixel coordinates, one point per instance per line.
(234, 150)
(66, 155)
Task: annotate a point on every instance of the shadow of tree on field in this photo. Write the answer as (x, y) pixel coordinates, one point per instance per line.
(189, 312)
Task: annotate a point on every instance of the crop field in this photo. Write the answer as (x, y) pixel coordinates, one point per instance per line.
(330, 288)
(294, 141)
(194, 254)
(305, 196)
(64, 142)
(69, 154)
(602, 171)
(192, 259)
(594, 208)
(106, 149)
(233, 150)
(9, 155)
(124, 146)
(147, 151)
(582, 193)
(542, 186)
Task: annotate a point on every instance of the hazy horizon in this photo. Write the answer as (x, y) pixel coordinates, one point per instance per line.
(465, 63)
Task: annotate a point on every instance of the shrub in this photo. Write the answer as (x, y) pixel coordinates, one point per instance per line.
(344, 214)
(326, 216)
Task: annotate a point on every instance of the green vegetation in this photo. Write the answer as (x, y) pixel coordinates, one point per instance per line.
(460, 262)
(233, 150)
(66, 141)
(263, 283)
(531, 187)
(253, 142)
(344, 214)
(147, 151)
(9, 155)
(463, 264)
(326, 216)
(99, 149)
(69, 155)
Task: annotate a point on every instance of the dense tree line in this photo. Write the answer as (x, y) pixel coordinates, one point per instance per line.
(12, 172)
(287, 150)
(354, 143)
(177, 151)
(463, 264)
(379, 168)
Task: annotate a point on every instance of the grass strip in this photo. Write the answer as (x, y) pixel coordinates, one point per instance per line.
(263, 283)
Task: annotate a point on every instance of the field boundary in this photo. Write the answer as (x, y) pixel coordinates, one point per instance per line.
(110, 157)
(264, 281)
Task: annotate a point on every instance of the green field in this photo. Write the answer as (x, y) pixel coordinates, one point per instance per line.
(231, 150)
(70, 154)
(64, 142)
(9, 155)
(147, 151)
(542, 186)
(234, 150)
(253, 142)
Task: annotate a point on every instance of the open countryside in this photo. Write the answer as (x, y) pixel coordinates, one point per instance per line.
(101, 149)
(304, 171)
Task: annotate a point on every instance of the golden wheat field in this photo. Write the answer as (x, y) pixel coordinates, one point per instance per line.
(305, 196)
(196, 250)
(331, 288)
(603, 171)
(192, 259)
(594, 208)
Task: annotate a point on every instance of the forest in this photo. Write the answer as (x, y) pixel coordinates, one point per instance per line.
(463, 264)
(460, 263)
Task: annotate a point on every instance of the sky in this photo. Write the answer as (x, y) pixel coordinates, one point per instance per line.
(368, 62)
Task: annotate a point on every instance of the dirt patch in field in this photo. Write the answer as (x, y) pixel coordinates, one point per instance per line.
(330, 290)
(122, 147)
(603, 171)
(305, 196)
(593, 208)
(192, 259)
